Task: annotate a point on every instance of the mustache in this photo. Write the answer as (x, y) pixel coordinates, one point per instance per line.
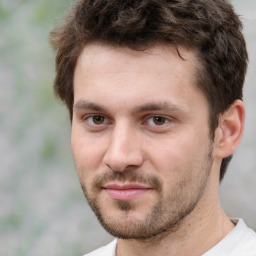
(128, 175)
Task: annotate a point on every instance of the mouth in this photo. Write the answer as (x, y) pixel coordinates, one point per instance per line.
(125, 192)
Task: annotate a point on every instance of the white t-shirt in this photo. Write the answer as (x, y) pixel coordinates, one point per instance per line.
(241, 241)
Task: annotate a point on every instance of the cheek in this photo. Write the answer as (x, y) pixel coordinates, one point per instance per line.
(86, 163)
(171, 151)
(175, 155)
(88, 154)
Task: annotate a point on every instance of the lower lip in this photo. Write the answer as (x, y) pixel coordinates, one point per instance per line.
(126, 194)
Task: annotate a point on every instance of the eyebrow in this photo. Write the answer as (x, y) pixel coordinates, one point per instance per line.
(155, 106)
(86, 105)
(167, 106)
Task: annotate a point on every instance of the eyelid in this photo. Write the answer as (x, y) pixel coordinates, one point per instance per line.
(151, 116)
(88, 116)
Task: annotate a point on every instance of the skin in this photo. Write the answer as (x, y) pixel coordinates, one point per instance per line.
(142, 147)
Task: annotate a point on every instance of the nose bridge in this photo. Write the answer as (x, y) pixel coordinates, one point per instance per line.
(124, 147)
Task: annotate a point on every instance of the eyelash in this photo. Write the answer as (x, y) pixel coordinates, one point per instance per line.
(87, 118)
(164, 120)
(148, 120)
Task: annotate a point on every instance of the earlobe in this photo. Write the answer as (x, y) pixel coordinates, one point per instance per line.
(230, 130)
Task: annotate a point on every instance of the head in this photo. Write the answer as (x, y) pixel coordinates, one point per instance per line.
(148, 85)
(210, 28)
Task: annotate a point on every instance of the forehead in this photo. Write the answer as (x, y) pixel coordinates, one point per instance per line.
(98, 55)
(161, 71)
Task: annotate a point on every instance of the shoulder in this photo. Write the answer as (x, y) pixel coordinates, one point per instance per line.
(241, 241)
(247, 242)
(107, 250)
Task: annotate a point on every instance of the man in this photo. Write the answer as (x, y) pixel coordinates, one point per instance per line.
(154, 92)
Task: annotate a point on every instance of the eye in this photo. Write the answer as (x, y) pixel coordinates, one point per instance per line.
(157, 120)
(96, 120)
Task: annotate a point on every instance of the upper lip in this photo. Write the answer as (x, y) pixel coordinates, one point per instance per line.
(119, 186)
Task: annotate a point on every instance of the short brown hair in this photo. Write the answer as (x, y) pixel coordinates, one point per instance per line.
(210, 27)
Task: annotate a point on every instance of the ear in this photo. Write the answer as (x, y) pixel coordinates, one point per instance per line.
(230, 130)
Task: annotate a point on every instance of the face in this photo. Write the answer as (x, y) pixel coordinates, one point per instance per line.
(140, 137)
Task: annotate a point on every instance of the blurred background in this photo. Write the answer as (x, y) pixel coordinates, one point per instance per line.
(42, 208)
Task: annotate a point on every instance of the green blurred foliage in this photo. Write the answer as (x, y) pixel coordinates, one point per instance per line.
(34, 137)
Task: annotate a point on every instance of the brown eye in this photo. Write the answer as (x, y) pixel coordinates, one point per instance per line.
(96, 120)
(159, 120)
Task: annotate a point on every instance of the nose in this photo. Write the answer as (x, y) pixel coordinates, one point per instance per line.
(124, 149)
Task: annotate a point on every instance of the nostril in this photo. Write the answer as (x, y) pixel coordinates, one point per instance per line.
(122, 161)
